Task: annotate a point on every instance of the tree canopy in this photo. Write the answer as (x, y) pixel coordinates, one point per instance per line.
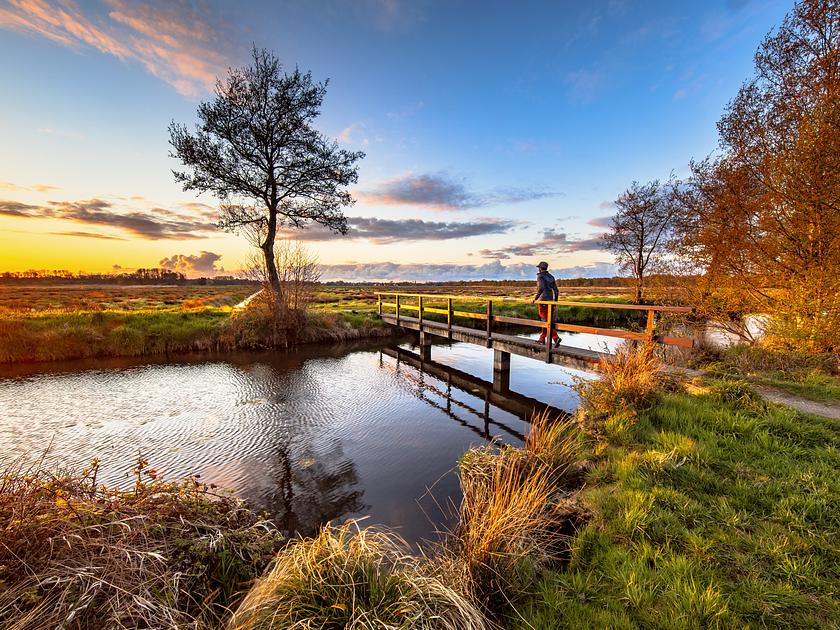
(255, 148)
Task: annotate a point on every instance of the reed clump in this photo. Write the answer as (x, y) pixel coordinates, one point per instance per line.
(347, 577)
(630, 380)
(514, 513)
(76, 554)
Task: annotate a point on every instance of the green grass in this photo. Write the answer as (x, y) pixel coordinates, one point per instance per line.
(812, 376)
(57, 335)
(721, 512)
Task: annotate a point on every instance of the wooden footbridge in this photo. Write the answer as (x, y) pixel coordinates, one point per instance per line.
(436, 316)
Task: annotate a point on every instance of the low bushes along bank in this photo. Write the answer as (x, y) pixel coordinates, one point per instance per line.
(78, 555)
(61, 335)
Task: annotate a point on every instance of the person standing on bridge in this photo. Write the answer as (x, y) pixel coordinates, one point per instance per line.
(546, 290)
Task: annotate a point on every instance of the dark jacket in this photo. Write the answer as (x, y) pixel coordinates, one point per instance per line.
(546, 287)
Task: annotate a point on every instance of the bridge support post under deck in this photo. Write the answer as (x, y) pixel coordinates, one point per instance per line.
(501, 371)
(425, 346)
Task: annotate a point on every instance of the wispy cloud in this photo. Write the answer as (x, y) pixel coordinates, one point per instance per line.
(383, 231)
(35, 187)
(204, 263)
(351, 133)
(406, 112)
(437, 191)
(61, 133)
(103, 237)
(180, 42)
(396, 15)
(150, 224)
(586, 85)
(551, 242)
(419, 272)
(18, 209)
(601, 222)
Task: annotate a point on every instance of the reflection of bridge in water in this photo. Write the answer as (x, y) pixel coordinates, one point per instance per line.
(496, 394)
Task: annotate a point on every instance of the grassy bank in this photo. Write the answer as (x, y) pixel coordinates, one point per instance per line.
(60, 335)
(77, 555)
(49, 323)
(711, 511)
(810, 376)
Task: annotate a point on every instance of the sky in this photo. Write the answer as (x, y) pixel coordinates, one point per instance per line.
(497, 134)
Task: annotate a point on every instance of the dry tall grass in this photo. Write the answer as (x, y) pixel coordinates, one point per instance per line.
(77, 555)
(512, 514)
(630, 380)
(353, 578)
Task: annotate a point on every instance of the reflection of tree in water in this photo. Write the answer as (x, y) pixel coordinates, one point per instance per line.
(314, 486)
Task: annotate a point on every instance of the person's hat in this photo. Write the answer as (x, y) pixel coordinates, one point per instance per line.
(543, 265)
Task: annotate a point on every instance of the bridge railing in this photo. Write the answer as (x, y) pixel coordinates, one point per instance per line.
(443, 305)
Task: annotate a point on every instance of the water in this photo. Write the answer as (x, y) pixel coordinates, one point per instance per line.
(309, 436)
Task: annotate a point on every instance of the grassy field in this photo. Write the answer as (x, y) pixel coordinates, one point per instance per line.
(717, 511)
(44, 322)
(75, 298)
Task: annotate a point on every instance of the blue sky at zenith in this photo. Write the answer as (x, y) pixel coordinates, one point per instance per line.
(497, 133)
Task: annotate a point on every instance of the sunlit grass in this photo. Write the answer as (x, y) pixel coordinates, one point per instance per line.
(347, 577)
(716, 511)
(75, 554)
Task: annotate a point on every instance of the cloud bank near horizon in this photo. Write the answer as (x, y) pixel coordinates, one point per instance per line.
(384, 231)
(551, 242)
(152, 224)
(421, 272)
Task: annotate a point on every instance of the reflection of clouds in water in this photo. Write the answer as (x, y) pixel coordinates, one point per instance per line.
(309, 436)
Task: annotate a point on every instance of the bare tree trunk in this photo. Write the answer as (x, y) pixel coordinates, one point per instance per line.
(271, 272)
(270, 264)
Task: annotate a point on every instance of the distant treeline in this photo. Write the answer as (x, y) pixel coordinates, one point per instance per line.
(140, 276)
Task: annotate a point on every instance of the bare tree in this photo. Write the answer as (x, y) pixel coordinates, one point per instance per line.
(297, 268)
(255, 148)
(640, 229)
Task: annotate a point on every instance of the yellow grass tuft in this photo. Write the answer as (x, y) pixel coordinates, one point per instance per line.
(629, 381)
(512, 512)
(346, 577)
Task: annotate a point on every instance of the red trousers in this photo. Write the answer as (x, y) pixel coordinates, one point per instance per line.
(542, 309)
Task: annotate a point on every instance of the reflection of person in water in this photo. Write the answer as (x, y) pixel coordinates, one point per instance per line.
(546, 291)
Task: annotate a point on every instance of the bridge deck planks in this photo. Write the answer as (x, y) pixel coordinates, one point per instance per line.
(580, 358)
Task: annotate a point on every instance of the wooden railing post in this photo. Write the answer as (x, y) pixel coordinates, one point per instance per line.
(398, 309)
(420, 310)
(449, 316)
(379, 304)
(489, 323)
(549, 327)
(651, 324)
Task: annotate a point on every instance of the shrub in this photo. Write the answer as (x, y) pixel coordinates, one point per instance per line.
(347, 577)
(76, 554)
(630, 380)
(738, 393)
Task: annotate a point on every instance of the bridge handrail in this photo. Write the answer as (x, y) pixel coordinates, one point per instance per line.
(476, 298)
(648, 335)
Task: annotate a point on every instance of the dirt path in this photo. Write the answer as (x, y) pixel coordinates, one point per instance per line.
(827, 409)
